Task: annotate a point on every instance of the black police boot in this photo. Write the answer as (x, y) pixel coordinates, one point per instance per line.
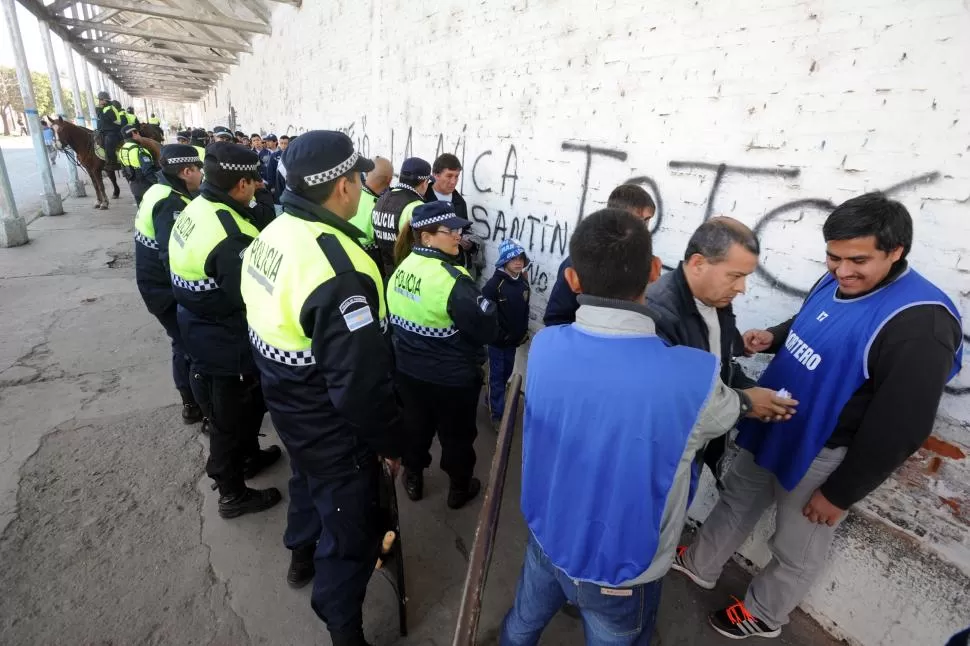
(349, 638)
(205, 426)
(459, 494)
(247, 501)
(301, 566)
(255, 464)
(191, 413)
(414, 484)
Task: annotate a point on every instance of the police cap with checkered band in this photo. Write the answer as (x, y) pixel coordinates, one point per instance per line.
(318, 157)
(178, 155)
(230, 163)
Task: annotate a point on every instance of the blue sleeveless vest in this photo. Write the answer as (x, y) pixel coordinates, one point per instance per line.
(824, 361)
(607, 420)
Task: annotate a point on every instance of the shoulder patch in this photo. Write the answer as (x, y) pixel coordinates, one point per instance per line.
(357, 317)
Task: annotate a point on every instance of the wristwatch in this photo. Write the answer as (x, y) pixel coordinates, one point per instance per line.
(745, 400)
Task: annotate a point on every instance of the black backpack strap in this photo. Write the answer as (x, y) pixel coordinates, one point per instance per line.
(228, 222)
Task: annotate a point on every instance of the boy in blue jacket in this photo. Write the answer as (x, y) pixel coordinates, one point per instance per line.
(509, 289)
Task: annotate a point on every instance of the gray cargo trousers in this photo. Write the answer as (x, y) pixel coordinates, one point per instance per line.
(798, 546)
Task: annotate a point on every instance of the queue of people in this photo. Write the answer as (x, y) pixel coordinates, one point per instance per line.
(354, 318)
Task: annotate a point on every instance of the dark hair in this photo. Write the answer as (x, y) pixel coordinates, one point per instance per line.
(255, 134)
(321, 192)
(630, 197)
(612, 252)
(282, 137)
(872, 214)
(445, 161)
(714, 239)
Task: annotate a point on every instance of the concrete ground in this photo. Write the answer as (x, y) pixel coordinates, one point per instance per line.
(108, 528)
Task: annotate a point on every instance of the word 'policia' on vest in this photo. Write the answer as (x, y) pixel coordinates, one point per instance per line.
(265, 259)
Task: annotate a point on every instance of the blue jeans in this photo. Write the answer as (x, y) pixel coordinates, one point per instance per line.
(609, 619)
(500, 364)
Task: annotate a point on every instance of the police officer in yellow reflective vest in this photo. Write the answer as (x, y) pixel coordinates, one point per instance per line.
(137, 164)
(109, 127)
(199, 140)
(205, 255)
(178, 182)
(130, 117)
(394, 208)
(153, 120)
(317, 322)
(441, 326)
(378, 181)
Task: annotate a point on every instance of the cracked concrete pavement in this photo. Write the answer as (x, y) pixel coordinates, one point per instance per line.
(108, 527)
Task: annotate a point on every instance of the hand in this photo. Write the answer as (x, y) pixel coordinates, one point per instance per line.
(820, 510)
(768, 406)
(756, 341)
(393, 465)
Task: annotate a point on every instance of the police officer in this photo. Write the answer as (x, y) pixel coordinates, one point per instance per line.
(441, 325)
(199, 140)
(137, 164)
(317, 318)
(178, 182)
(131, 117)
(109, 126)
(205, 256)
(394, 208)
(153, 120)
(378, 181)
(223, 134)
(184, 137)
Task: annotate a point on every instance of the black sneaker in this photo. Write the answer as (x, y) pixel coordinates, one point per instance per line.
(680, 565)
(248, 501)
(414, 484)
(301, 566)
(254, 465)
(191, 414)
(205, 426)
(735, 622)
(459, 496)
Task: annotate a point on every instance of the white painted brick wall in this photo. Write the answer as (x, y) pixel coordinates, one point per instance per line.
(824, 99)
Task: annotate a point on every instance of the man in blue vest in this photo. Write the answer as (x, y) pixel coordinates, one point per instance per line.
(868, 356)
(607, 446)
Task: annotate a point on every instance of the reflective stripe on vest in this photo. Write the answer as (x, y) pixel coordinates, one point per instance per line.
(197, 231)
(283, 266)
(141, 238)
(144, 222)
(418, 293)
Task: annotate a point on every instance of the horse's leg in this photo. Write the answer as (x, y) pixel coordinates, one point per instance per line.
(114, 182)
(99, 188)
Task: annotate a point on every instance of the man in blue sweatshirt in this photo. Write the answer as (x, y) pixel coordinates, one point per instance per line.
(607, 447)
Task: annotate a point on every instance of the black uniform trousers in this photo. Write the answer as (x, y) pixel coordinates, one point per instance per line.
(235, 411)
(451, 412)
(139, 187)
(342, 515)
(181, 368)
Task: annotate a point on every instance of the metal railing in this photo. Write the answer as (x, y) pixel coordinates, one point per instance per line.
(480, 558)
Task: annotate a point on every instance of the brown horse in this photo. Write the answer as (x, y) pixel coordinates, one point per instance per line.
(81, 141)
(152, 132)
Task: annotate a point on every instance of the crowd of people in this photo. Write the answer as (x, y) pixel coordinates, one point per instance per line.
(297, 277)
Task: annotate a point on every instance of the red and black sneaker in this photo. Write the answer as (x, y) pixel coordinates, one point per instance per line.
(735, 622)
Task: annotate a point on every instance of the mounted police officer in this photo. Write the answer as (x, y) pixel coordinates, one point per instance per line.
(153, 120)
(109, 127)
(130, 117)
(137, 164)
(205, 256)
(317, 323)
(178, 182)
(395, 207)
(441, 326)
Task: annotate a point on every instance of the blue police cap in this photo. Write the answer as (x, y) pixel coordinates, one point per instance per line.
(416, 169)
(320, 156)
(438, 213)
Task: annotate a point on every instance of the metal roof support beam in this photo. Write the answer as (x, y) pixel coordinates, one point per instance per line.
(173, 79)
(156, 35)
(190, 66)
(229, 22)
(174, 53)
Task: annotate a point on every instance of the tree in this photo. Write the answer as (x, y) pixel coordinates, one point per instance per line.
(10, 100)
